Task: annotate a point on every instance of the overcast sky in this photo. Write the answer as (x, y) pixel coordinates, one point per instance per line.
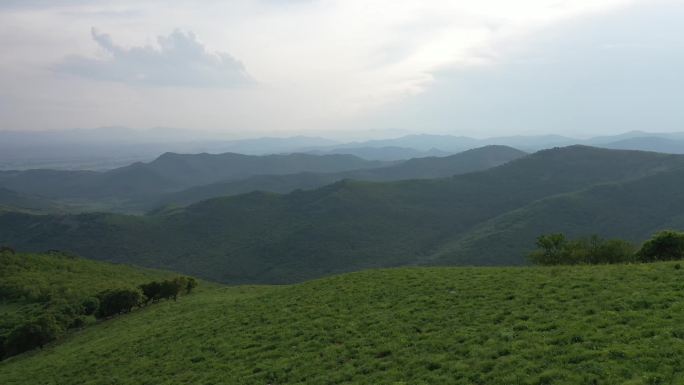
(283, 67)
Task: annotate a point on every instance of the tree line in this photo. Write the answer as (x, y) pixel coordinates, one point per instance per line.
(54, 317)
(557, 249)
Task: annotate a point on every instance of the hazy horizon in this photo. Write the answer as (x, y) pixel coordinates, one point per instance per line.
(344, 69)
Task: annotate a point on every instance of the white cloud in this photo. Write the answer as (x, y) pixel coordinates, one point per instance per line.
(180, 61)
(318, 63)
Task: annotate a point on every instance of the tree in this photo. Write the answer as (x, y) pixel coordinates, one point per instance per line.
(612, 251)
(118, 301)
(556, 249)
(191, 284)
(663, 246)
(172, 287)
(67, 312)
(151, 291)
(33, 334)
(552, 250)
(90, 305)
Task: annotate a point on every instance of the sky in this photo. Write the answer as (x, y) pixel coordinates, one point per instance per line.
(344, 67)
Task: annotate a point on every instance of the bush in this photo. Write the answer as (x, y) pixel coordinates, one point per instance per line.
(171, 288)
(32, 335)
(90, 305)
(113, 302)
(151, 291)
(6, 249)
(556, 249)
(608, 251)
(192, 283)
(663, 246)
(68, 314)
(552, 249)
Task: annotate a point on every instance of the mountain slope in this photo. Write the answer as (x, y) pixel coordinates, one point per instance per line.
(494, 326)
(12, 200)
(420, 168)
(649, 143)
(633, 210)
(350, 225)
(387, 153)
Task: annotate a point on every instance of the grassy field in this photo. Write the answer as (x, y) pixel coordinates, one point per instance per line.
(36, 285)
(620, 324)
(28, 277)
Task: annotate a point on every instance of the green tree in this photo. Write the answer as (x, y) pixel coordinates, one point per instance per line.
(612, 251)
(191, 284)
(556, 249)
(118, 301)
(663, 246)
(151, 291)
(552, 249)
(172, 287)
(90, 305)
(33, 334)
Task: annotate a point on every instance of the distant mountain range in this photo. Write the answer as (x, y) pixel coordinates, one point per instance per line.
(112, 147)
(418, 168)
(488, 217)
(388, 153)
(184, 179)
(170, 172)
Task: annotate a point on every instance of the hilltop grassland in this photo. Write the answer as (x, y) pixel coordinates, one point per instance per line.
(617, 324)
(45, 296)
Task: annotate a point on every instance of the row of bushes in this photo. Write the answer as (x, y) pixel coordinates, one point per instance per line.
(557, 249)
(52, 319)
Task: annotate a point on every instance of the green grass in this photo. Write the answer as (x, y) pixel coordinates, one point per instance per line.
(30, 277)
(620, 324)
(32, 285)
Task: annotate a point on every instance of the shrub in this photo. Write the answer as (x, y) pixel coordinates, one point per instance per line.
(118, 301)
(191, 284)
(552, 249)
(33, 334)
(609, 251)
(171, 288)
(6, 249)
(90, 305)
(67, 313)
(151, 291)
(663, 246)
(556, 249)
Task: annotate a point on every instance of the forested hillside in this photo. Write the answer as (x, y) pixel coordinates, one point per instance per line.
(633, 210)
(351, 225)
(420, 168)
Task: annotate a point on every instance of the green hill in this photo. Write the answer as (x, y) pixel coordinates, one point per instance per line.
(26, 277)
(350, 225)
(633, 210)
(56, 285)
(14, 201)
(420, 168)
(619, 324)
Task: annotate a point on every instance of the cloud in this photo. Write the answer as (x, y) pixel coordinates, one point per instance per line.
(179, 61)
(608, 73)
